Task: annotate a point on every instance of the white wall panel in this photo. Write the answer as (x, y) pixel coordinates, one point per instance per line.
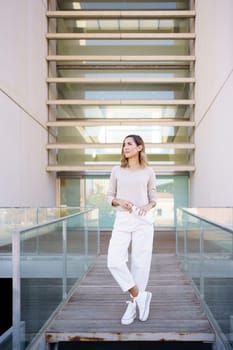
(212, 183)
(23, 95)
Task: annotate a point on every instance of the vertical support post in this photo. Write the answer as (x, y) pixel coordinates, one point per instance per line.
(86, 248)
(177, 246)
(98, 235)
(16, 290)
(177, 242)
(64, 262)
(85, 235)
(185, 227)
(185, 241)
(202, 282)
(231, 327)
(201, 243)
(232, 246)
(185, 248)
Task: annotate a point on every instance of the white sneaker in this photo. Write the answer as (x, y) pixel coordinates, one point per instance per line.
(130, 313)
(143, 303)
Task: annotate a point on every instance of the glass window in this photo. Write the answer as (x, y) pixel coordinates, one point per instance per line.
(123, 91)
(122, 25)
(90, 191)
(151, 71)
(122, 5)
(116, 134)
(124, 47)
(103, 87)
(175, 112)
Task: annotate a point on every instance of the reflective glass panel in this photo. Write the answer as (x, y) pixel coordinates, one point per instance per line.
(121, 66)
(123, 47)
(172, 193)
(111, 111)
(138, 91)
(122, 5)
(110, 156)
(113, 134)
(123, 25)
(150, 71)
(204, 242)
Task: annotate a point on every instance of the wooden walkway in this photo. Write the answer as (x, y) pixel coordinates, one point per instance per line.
(94, 310)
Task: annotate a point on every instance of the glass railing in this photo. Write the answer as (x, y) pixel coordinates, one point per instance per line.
(204, 246)
(14, 218)
(45, 262)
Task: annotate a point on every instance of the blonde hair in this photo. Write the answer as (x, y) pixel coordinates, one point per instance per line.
(142, 155)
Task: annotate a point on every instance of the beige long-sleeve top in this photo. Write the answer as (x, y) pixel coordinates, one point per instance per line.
(137, 186)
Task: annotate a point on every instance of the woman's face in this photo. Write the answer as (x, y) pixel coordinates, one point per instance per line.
(130, 148)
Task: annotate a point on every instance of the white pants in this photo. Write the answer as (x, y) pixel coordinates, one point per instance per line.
(130, 228)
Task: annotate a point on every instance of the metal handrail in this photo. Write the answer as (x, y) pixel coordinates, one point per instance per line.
(222, 342)
(209, 221)
(54, 221)
(16, 276)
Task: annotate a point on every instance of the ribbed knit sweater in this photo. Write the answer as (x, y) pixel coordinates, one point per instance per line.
(135, 185)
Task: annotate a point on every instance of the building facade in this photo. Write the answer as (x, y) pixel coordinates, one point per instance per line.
(77, 77)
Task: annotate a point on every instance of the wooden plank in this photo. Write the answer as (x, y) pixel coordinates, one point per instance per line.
(94, 310)
(108, 325)
(100, 313)
(150, 336)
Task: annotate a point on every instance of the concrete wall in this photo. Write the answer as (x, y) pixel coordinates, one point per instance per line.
(212, 183)
(23, 114)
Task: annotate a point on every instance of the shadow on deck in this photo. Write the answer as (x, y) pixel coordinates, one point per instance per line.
(93, 312)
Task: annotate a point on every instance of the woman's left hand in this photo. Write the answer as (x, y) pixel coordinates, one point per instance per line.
(143, 210)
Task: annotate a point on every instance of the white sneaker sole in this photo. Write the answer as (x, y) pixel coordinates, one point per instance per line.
(146, 312)
(128, 321)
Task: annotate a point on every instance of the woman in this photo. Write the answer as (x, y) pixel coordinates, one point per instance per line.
(132, 184)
